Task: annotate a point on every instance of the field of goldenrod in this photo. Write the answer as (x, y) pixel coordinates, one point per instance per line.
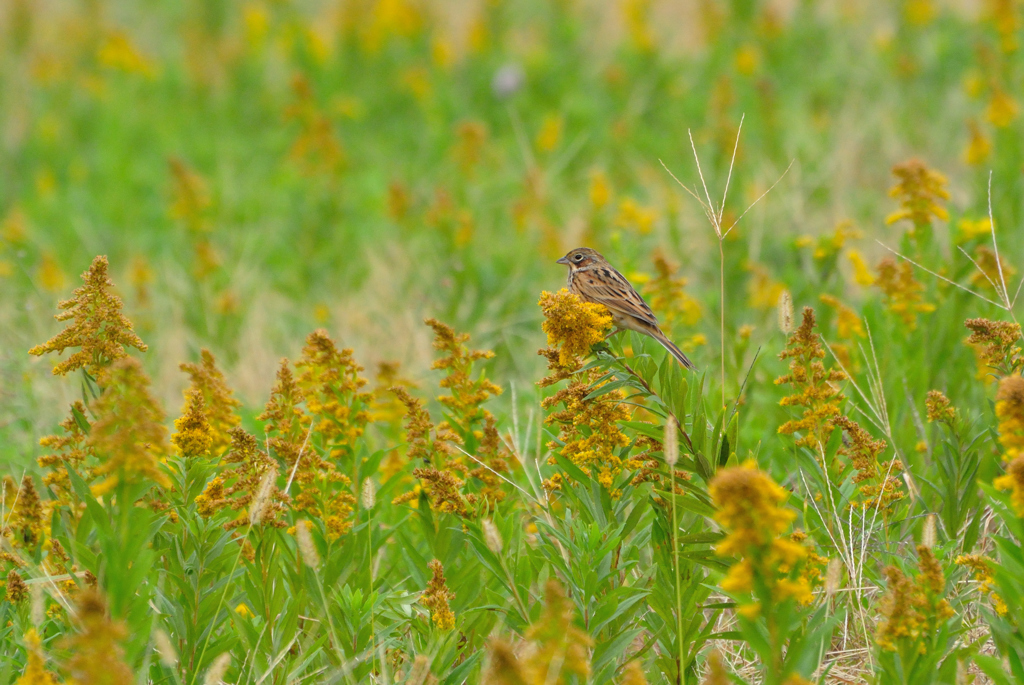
(290, 424)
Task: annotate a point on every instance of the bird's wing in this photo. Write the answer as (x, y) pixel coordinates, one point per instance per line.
(610, 288)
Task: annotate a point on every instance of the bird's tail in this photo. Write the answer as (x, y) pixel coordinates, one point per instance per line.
(673, 350)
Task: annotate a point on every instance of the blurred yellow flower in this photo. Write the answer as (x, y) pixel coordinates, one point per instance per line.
(848, 324)
(969, 229)
(637, 16)
(919, 12)
(632, 215)
(49, 274)
(118, 52)
(979, 147)
(257, 24)
(550, 134)
(600, 189)
(861, 273)
(748, 59)
(920, 191)
(902, 291)
(763, 290)
(416, 80)
(1002, 108)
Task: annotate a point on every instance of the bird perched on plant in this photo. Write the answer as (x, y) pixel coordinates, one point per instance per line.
(593, 279)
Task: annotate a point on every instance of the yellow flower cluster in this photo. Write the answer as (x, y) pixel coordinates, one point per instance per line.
(437, 596)
(902, 291)
(466, 394)
(749, 508)
(667, 294)
(555, 648)
(219, 400)
(444, 474)
(992, 269)
(99, 328)
(913, 608)
(194, 436)
(920, 191)
(238, 485)
(329, 382)
(884, 487)
(981, 569)
(589, 430)
(1010, 411)
(128, 436)
(323, 493)
(816, 387)
(23, 523)
(829, 245)
(70, 450)
(939, 408)
(636, 217)
(317, 149)
(573, 326)
(35, 670)
(998, 343)
(96, 652)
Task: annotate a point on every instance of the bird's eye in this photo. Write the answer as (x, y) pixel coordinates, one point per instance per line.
(578, 258)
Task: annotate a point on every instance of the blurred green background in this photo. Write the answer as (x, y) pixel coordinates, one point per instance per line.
(257, 169)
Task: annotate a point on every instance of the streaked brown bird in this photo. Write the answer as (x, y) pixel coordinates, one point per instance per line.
(595, 280)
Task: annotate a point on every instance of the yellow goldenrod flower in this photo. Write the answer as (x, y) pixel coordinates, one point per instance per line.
(99, 329)
(437, 596)
(24, 523)
(902, 291)
(829, 245)
(939, 408)
(981, 569)
(600, 189)
(1002, 109)
(128, 436)
(979, 147)
(550, 134)
(919, 12)
(1010, 411)
(118, 52)
(471, 137)
(880, 483)
(848, 324)
(244, 611)
(968, 229)
(861, 274)
(238, 486)
(194, 436)
(913, 608)
(993, 269)
(749, 508)
(763, 290)
(920, 191)
(17, 591)
(69, 450)
(559, 646)
(748, 59)
(1013, 481)
(633, 674)
(317, 149)
(997, 344)
(190, 197)
(96, 652)
(667, 295)
(637, 16)
(573, 326)
(219, 400)
(816, 386)
(49, 274)
(35, 670)
(636, 217)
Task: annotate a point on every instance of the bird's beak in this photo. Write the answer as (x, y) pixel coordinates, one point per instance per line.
(563, 260)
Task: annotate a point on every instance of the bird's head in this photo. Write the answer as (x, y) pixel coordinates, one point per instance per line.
(581, 257)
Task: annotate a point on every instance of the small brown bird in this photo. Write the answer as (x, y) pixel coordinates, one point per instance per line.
(595, 280)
